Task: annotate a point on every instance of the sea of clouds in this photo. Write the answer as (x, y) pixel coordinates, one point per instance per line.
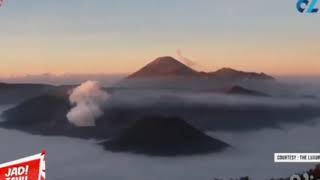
(251, 154)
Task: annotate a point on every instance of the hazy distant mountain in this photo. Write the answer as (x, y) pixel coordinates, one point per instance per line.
(238, 90)
(64, 79)
(168, 73)
(168, 67)
(165, 137)
(16, 93)
(228, 73)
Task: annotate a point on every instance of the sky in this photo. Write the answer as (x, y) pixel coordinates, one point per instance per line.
(121, 36)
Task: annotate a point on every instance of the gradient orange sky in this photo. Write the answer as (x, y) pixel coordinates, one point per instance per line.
(106, 37)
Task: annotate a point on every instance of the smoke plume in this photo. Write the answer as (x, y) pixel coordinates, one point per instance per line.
(88, 99)
(187, 61)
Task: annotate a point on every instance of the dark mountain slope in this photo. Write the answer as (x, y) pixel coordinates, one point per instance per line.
(46, 115)
(16, 93)
(238, 90)
(164, 137)
(42, 109)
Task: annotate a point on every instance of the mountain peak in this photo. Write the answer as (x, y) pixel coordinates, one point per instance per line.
(226, 70)
(165, 59)
(165, 66)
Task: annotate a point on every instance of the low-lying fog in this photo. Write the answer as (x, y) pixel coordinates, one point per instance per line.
(252, 155)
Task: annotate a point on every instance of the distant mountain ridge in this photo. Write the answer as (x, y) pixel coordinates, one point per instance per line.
(168, 67)
(16, 93)
(239, 90)
(234, 74)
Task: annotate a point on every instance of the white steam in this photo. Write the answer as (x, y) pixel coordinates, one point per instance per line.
(186, 60)
(89, 99)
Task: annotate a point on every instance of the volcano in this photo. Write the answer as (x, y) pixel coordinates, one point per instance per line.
(162, 136)
(168, 67)
(164, 67)
(46, 115)
(42, 111)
